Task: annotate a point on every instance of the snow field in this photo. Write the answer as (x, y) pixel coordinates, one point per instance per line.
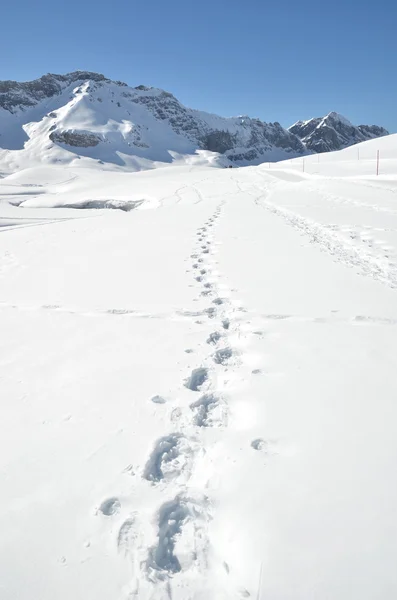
(199, 394)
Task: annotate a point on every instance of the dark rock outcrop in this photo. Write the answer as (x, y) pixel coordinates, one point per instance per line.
(79, 139)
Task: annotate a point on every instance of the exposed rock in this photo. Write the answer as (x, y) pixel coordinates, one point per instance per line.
(219, 141)
(372, 131)
(14, 94)
(333, 132)
(75, 138)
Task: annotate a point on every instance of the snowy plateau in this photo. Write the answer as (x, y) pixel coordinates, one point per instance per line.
(198, 387)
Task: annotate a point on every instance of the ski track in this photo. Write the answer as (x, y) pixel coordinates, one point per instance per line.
(328, 240)
(366, 263)
(339, 199)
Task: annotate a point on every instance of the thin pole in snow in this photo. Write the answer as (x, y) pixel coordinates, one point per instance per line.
(377, 162)
(258, 596)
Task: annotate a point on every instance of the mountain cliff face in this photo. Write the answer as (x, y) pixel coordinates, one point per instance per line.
(333, 132)
(59, 118)
(84, 115)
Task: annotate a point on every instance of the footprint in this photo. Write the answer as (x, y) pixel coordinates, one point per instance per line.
(226, 324)
(196, 266)
(182, 539)
(209, 411)
(211, 312)
(214, 337)
(258, 444)
(110, 507)
(222, 356)
(196, 379)
(218, 301)
(267, 447)
(199, 278)
(176, 414)
(127, 536)
(171, 458)
(208, 285)
(158, 400)
(203, 271)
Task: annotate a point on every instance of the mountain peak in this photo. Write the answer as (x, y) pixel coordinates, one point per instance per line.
(333, 132)
(334, 116)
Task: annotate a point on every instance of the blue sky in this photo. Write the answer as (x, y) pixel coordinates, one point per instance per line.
(280, 61)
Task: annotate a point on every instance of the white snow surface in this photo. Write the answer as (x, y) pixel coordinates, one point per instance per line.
(199, 394)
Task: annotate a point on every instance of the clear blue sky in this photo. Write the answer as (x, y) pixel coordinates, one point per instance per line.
(278, 60)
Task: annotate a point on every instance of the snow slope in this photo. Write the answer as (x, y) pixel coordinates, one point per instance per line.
(199, 393)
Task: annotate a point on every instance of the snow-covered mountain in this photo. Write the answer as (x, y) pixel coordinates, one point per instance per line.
(84, 116)
(333, 132)
(61, 118)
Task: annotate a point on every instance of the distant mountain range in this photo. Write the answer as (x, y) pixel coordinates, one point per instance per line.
(333, 132)
(83, 115)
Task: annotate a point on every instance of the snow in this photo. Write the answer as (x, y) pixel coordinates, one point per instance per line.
(355, 162)
(301, 123)
(338, 117)
(198, 395)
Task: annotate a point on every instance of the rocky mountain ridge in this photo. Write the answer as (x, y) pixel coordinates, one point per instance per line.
(333, 132)
(61, 118)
